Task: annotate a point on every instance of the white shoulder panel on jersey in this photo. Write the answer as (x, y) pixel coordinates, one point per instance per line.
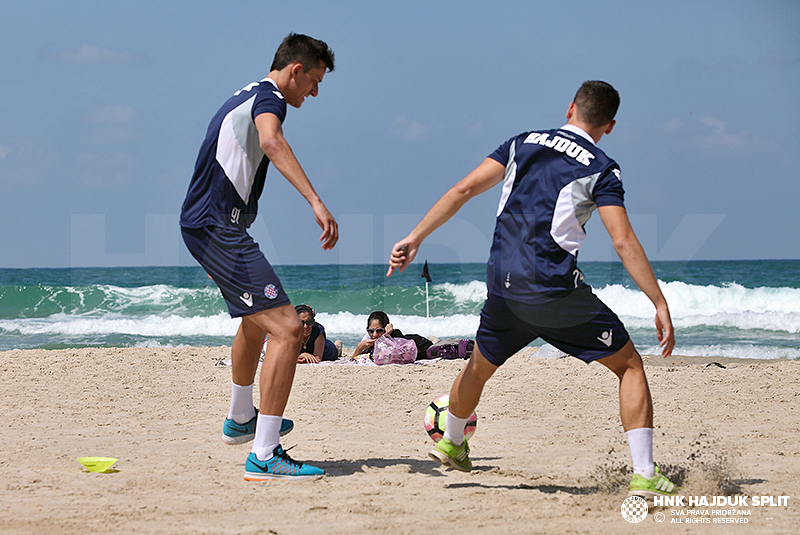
(511, 176)
(573, 209)
(238, 149)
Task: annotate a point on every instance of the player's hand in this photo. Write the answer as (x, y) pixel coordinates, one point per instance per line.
(403, 253)
(330, 229)
(665, 331)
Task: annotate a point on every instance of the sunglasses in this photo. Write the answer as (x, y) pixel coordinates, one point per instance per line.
(379, 331)
(308, 323)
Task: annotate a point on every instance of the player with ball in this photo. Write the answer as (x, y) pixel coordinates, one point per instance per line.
(552, 181)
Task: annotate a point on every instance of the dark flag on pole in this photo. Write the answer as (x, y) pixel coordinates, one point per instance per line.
(425, 274)
(427, 277)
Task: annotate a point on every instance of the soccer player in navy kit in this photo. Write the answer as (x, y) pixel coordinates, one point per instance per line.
(243, 138)
(552, 181)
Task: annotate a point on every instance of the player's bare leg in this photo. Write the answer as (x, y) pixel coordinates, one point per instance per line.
(245, 352)
(285, 333)
(452, 450)
(636, 412)
(468, 386)
(635, 403)
(267, 459)
(240, 426)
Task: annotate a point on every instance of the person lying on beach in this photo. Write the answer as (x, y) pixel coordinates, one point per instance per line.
(316, 346)
(378, 324)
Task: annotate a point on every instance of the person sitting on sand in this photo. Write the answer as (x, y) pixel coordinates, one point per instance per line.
(316, 346)
(378, 324)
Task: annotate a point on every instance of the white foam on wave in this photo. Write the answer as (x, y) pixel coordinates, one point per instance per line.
(160, 295)
(741, 351)
(157, 298)
(166, 326)
(471, 292)
(768, 321)
(688, 299)
(774, 309)
(355, 325)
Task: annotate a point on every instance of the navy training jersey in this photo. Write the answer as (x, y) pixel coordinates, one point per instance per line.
(231, 168)
(554, 180)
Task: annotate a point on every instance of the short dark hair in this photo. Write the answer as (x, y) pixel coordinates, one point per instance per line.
(299, 48)
(379, 315)
(597, 102)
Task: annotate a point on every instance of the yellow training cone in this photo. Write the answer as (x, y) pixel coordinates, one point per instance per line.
(97, 464)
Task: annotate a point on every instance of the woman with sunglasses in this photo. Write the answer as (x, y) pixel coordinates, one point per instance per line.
(316, 346)
(377, 325)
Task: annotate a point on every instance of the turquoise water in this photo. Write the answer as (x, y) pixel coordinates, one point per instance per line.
(748, 309)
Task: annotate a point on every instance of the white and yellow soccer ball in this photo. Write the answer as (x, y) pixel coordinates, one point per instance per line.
(435, 415)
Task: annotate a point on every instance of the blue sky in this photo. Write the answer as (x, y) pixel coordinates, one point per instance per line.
(104, 105)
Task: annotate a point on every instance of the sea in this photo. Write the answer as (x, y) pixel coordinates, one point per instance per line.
(745, 309)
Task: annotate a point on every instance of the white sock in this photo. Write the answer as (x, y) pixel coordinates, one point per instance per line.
(268, 436)
(641, 444)
(454, 428)
(242, 410)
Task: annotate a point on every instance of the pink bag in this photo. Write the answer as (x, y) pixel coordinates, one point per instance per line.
(390, 350)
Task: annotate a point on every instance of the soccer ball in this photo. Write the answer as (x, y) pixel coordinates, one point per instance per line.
(435, 416)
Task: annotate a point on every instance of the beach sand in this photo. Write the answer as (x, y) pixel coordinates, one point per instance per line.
(550, 454)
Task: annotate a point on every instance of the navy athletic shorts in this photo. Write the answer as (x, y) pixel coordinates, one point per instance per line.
(579, 324)
(236, 264)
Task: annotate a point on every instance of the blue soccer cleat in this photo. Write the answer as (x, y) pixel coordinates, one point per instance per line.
(233, 433)
(280, 466)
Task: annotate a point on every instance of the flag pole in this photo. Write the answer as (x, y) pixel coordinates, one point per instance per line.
(427, 302)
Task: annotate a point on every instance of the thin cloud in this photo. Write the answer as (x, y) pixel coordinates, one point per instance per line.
(712, 135)
(407, 129)
(476, 129)
(769, 62)
(24, 164)
(717, 126)
(112, 114)
(671, 126)
(716, 136)
(105, 169)
(112, 124)
(89, 54)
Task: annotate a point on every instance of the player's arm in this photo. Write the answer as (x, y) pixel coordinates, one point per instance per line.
(482, 178)
(631, 252)
(277, 149)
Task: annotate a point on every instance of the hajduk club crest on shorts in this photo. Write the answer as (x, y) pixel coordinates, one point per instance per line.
(271, 291)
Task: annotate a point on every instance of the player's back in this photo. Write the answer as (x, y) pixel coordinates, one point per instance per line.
(554, 180)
